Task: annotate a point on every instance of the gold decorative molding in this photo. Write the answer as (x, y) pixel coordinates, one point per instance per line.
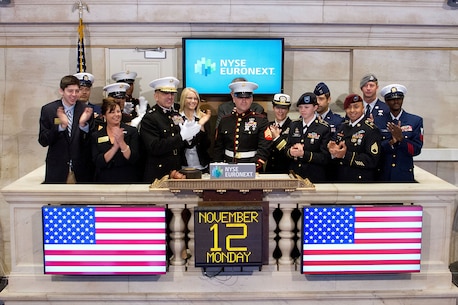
(265, 182)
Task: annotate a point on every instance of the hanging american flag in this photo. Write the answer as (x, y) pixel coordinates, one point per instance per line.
(363, 239)
(81, 56)
(81, 65)
(104, 240)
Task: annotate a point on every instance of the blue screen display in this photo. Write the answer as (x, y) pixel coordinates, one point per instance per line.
(210, 64)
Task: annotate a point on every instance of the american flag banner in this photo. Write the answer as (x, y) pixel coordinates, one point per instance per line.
(120, 240)
(361, 239)
(81, 64)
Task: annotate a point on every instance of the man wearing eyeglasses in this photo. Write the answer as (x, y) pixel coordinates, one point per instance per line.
(243, 136)
(357, 148)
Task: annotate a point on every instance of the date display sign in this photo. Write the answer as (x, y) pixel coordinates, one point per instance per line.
(228, 236)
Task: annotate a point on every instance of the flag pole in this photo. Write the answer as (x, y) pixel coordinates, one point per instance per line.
(81, 57)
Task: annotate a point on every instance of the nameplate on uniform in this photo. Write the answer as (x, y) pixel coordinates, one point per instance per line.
(232, 171)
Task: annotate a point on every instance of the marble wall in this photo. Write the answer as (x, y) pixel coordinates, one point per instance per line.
(408, 42)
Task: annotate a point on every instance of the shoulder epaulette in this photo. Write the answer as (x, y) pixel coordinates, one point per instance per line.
(228, 115)
(254, 113)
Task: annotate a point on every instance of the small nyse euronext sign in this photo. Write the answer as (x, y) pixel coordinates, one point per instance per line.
(232, 171)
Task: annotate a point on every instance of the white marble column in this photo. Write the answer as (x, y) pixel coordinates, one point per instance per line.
(177, 243)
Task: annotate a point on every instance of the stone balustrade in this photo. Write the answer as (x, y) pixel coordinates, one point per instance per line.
(278, 281)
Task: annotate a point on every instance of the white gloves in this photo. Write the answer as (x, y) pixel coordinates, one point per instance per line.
(128, 107)
(142, 105)
(141, 111)
(189, 129)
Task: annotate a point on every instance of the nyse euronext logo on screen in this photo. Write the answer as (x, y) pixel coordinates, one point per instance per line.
(205, 67)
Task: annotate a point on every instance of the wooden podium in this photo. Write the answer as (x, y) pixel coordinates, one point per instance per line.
(238, 193)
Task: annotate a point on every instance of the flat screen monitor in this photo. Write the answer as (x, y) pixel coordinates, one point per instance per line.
(210, 64)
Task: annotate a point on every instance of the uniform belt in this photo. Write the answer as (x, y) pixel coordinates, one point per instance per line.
(241, 154)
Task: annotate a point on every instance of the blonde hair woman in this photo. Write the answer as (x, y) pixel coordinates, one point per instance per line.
(196, 151)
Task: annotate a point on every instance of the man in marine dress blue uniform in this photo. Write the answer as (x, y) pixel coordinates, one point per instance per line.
(131, 102)
(404, 138)
(163, 131)
(243, 136)
(226, 108)
(117, 91)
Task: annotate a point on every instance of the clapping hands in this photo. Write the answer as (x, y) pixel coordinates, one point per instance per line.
(337, 150)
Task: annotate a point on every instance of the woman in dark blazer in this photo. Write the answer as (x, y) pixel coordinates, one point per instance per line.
(115, 148)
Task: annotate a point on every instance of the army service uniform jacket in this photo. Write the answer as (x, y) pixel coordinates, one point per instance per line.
(312, 164)
(363, 152)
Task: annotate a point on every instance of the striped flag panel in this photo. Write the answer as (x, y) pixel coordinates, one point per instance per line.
(362, 239)
(104, 240)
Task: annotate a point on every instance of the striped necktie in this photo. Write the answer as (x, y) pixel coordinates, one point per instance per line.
(69, 114)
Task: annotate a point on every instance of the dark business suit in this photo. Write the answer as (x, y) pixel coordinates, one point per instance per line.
(118, 169)
(62, 148)
(160, 134)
